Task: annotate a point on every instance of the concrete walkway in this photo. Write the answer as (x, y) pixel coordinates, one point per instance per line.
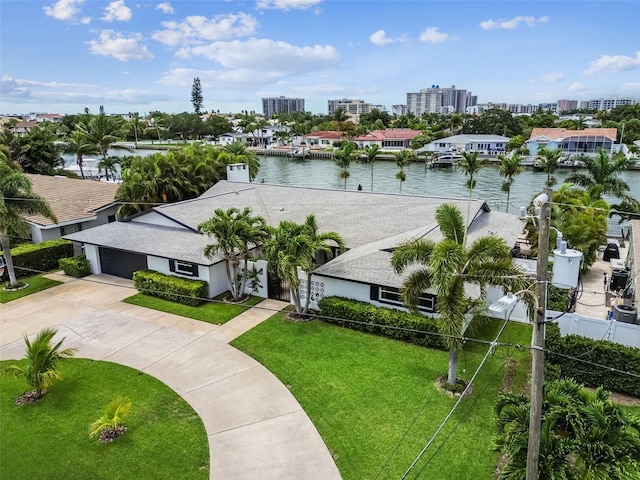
(256, 428)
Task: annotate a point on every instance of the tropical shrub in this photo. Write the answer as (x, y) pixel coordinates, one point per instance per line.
(30, 258)
(110, 425)
(602, 352)
(386, 322)
(171, 287)
(75, 266)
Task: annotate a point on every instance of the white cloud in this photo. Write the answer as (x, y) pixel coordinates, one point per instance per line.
(286, 4)
(85, 20)
(114, 44)
(380, 38)
(165, 8)
(433, 35)
(117, 11)
(64, 9)
(552, 77)
(194, 29)
(577, 87)
(512, 24)
(613, 64)
(630, 88)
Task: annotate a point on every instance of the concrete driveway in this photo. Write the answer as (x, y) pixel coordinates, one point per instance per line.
(256, 428)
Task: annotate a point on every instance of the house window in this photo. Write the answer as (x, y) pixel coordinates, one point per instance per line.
(183, 268)
(391, 296)
(111, 218)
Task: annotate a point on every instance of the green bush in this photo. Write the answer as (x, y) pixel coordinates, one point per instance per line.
(602, 352)
(75, 266)
(31, 258)
(557, 298)
(368, 318)
(171, 287)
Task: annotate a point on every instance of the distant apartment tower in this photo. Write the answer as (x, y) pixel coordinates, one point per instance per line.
(399, 109)
(273, 105)
(567, 105)
(439, 100)
(350, 106)
(609, 103)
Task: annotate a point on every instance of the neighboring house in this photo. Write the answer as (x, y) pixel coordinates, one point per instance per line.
(487, 144)
(573, 142)
(230, 137)
(22, 128)
(389, 139)
(77, 204)
(322, 139)
(165, 238)
(47, 117)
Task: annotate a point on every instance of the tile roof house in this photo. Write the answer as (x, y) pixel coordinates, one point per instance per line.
(322, 139)
(389, 139)
(572, 142)
(77, 204)
(165, 238)
(467, 143)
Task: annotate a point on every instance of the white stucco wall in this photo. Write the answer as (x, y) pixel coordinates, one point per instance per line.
(39, 235)
(262, 290)
(162, 265)
(92, 254)
(217, 279)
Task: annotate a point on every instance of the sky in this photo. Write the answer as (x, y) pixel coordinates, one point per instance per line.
(139, 56)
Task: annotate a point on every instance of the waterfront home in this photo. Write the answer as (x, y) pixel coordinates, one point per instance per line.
(165, 238)
(573, 142)
(484, 144)
(322, 139)
(389, 139)
(77, 204)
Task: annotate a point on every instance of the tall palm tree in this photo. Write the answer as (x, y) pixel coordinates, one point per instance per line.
(603, 170)
(549, 161)
(16, 200)
(403, 160)
(470, 165)
(509, 168)
(76, 144)
(343, 157)
(235, 233)
(446, 267)
(371, 152)
(103, 131)
(237, 152)
(108, 164)
(42, 358)
(584, 435)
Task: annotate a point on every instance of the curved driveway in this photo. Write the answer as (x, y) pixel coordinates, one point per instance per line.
(256, 428)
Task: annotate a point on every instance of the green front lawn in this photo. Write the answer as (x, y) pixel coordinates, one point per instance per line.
(216, 312)
(362, 392)
(49, 439)
(36, 284)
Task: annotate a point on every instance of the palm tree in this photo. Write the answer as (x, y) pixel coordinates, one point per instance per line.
(103, 131)
(549, 161)
(17, 200)
(111, 424)
(77, 145)
(403, 159)
(237, 152)
(347, 152)
(470, 165)
(371, 152)
(584, 435)
(509, 168)
(447, 267)
(42, 358)
(603, 170)
(235, 232)
(108, 164)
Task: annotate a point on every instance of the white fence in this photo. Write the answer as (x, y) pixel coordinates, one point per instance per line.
(617, 332)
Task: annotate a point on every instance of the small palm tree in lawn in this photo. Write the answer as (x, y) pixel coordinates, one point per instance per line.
(237, 152)
(41, 364)
(235, 232)
(603, 170)
(447, 267)
(78, 146)
(549, 161)
(403, 160)
(371, 152)
(110, 425)
(343, 157)
(509, 168)
(584, 435)
(17, 200)
(470, 165)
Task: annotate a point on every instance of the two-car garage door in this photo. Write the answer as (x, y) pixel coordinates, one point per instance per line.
(121, 263)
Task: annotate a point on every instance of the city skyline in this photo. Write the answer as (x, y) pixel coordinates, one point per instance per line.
(67, 55)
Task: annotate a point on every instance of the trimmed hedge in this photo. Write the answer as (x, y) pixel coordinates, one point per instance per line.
(602, 352)
(171, 287)
(32, 258)
(377, 318)
(75, 266)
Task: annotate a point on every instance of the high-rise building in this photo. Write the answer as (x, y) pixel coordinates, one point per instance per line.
(609, 103)
(273, 105)
(567, 105)
(439, 100)
(350, 106)
(400, 109)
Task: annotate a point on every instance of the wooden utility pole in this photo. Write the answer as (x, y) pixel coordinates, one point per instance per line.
(537, 342)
